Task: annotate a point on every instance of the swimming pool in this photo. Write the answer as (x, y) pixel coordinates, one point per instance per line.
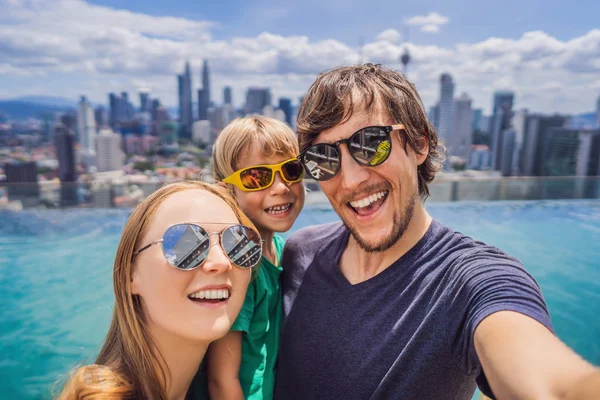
(55, 277)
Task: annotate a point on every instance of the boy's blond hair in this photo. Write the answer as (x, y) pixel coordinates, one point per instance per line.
(274, 137)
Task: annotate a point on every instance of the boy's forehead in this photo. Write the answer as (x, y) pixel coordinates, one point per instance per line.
(255, 154)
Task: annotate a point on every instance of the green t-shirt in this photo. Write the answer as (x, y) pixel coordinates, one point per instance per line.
(259, 320)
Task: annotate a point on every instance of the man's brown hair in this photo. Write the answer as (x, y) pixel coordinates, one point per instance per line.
(331, 100)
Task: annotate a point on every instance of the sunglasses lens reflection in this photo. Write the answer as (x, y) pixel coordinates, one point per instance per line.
(256, 178)
(186, 246)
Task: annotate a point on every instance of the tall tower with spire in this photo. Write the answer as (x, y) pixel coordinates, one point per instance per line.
(204, 93)
(405, 57)
(185, 101)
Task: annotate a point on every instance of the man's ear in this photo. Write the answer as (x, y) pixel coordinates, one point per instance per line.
(423, 145)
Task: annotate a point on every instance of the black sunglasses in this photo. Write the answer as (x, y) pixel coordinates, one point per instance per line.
(186, 246)
(369, 146)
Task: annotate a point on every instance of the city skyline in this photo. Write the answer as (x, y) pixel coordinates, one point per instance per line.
(549, 67)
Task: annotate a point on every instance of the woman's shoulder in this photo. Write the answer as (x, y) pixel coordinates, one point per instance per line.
(95, 381)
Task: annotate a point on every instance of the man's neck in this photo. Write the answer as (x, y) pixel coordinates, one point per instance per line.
(182, 358)
(358, 265)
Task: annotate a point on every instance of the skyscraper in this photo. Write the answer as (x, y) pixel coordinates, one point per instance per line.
(519, 123)
(185, 101)
(65, 153)
(569, 152)
(459, 144)
(598, 112)
(110, 157)
(434, 115)
(534, 142)
(204, 93)
(86, 129)
(100, 116)
(501, 120)
(446, 107)
(227, 95)
(206, 79)
(285, 105)
(144, 101)
(203, 104)
(257, 99)
(508, 151)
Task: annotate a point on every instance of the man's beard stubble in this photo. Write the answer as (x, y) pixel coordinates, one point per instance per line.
(400, 224)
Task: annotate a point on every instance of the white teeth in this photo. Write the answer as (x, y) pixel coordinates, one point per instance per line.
(218, 294)
(367, 201)
(279, 209)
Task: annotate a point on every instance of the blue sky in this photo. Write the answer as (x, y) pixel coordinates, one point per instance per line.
(547, 52)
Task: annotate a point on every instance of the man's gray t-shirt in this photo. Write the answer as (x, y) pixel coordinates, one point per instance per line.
(406, 333)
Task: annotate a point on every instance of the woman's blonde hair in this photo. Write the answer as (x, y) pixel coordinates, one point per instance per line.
(272, 136)
(129, 366)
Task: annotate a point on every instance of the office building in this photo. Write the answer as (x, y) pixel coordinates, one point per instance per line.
(598, 112)
(185, 102)
(201, 132)
(477, 116)
(285, 105)
(257, 99)
(459, 144)
(101, 117)
(571, 152)
(203, 104)
(227, 98)
(434, 116)
(109, 155)
(519, 124)
(508, 152)
(204, 93)
(534, 142)
(446, 108)
(145, 101)
(501, 120)
(67, 172)
(480, 158)
(86, 130)
(22, 183)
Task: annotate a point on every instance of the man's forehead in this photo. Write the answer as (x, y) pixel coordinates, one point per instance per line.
(361, 118)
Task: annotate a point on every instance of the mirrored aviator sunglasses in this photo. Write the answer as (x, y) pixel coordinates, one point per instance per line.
(186, 246)
(369, 146)
(260, 177)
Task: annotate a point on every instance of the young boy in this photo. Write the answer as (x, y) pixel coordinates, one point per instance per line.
(256, 158)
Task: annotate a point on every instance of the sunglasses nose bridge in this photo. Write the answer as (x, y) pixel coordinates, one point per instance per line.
(216, 258)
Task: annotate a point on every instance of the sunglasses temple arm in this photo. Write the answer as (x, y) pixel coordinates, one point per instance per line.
(147, 247)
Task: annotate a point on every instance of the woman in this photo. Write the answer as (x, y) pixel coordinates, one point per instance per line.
(171, 304)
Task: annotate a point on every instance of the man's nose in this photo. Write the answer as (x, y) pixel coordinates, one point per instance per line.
(352, 173)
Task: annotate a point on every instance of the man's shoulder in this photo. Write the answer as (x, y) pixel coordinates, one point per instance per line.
(468, 257)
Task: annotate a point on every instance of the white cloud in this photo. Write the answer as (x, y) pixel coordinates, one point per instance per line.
(431, 28)
(389, 35)
(114, 50)
(428, 23)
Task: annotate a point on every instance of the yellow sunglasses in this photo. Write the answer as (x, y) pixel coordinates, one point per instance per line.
(259, 177)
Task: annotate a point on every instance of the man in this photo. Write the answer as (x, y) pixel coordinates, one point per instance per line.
(391, 304)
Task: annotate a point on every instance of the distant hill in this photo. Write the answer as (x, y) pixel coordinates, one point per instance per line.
(48, 100)
(586, 120)
(22, 110)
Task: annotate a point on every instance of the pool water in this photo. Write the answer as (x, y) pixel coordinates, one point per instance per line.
(56, 277)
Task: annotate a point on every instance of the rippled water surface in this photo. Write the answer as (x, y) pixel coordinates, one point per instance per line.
(56, 289)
